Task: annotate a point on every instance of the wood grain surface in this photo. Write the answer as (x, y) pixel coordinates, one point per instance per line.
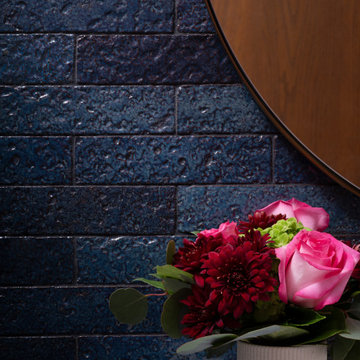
(301, 60)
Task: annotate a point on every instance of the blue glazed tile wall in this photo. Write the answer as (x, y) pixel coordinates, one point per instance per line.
(123, 125)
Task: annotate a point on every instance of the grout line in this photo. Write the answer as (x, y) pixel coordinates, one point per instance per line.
(176, 3)
(61, 237)
(273, 159)
(76, 348)
(172, 32)
(176, 209)
(75, 58)
(115, 84)
(79, 286)
(136, 236)
(176, 109)
(73, 172)
(76, 336)
(75, 262)
(134, 135)
(161, 185)
(124, 85)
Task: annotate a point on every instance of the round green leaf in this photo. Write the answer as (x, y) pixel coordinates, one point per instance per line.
(129, 306)
(173, 312)
(170, 252)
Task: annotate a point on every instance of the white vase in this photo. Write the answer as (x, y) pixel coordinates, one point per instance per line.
(247, 351)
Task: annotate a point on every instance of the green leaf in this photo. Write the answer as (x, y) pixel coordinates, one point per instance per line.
(154, 283)
(216, 351)
(204, 343)
(332, 325)
(299, 316)
(341, 348)
(129, 306)
(352, 329)
(173, 312)
(169, 271)
(355, 308)
(353, 354)
(170, 252)
(195, 232)
(275, 334)
(174, 285)
(355, 294)
(216, 342)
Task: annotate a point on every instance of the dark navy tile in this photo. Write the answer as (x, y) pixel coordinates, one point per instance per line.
(87, 15)
(35, 160)
(219, 109)
(119, 260)
(87, 210)
(37, 348)
(163, 59)
(56, 310)
(193, 16)
(292, 167)
(93, 110)
(30, 261)
(202, 207)
(173, 160)
(29, 59)
(136, 347)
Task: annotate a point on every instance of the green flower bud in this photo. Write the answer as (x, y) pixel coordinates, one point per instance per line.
(282, 232)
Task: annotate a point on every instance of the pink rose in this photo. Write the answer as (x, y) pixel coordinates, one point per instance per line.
(311, 217)
(314, 269)
(228, 231)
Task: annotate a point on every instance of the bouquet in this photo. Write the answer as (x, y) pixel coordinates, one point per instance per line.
(274, 279)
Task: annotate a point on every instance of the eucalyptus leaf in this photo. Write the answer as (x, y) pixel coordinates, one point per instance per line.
(217, 343)
(216, 351)
(169, 271)
(332, 325)
(352, 329)
(129, 306)
(274, 334)
(154, 283)
(299, 316)
(172, 313)
(355, 308)
(170, 252)
(174, 285)
(204, 343)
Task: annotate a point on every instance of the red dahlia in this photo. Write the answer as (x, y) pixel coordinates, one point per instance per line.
(202, 317)
(259, 220)
(240, 275)
(190, 256)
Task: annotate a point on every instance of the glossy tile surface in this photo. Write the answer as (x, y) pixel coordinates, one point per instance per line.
(32, 59)
(120, 260)
(36, 261)
(173, 160)
(35, 160)
(86, 210)
(153, 59)
(217, 109)
(87, 15)
(86, 110)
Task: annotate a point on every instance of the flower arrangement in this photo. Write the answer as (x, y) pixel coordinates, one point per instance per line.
(274, 279)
